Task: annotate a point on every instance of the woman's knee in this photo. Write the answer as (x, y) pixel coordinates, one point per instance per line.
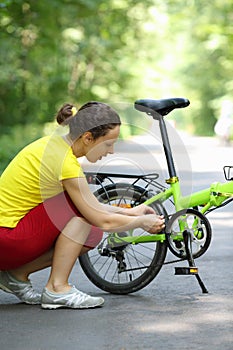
(94, 237)
(77, 229)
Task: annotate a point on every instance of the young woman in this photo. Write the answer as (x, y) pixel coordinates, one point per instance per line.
(49, 216)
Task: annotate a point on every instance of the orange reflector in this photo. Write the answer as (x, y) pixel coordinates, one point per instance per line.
(122, 205)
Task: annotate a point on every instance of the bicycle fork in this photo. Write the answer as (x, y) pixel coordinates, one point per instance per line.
(192, 269)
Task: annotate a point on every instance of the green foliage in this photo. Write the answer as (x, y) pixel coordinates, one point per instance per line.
(133, 122)
(114, 50)
(62, 51)
(208, 68)
(14, 139)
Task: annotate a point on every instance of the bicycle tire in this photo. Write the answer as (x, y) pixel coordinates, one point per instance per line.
(147, 258)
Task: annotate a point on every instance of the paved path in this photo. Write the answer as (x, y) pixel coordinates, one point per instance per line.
(170, 313)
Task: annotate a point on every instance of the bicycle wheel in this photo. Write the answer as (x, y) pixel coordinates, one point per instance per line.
(124, 268)
(199, 227)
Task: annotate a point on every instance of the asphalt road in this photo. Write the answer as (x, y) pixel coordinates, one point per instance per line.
(171, 312)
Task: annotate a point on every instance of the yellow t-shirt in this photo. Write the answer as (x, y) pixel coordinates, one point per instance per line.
(35, 175)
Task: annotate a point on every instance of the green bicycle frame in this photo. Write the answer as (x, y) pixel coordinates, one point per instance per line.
(212, 196)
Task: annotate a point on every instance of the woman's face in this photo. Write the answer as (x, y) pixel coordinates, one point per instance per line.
(101, 147)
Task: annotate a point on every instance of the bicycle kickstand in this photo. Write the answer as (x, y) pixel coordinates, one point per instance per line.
(192, 269)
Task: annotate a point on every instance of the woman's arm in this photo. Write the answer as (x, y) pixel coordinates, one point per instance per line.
(107, 219)
(141, 209)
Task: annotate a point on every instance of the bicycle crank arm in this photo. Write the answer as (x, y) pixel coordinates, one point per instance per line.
(191, 269)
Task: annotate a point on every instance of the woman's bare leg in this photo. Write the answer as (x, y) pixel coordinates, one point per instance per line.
(22, 272)
(45, 260)
(68, 248)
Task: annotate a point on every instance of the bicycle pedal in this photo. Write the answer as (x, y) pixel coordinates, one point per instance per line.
(191, 270)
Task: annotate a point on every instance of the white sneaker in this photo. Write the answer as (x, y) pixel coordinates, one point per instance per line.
(23, 290)
(74, 299)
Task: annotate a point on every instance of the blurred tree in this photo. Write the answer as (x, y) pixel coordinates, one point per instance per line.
(204, 36)
(114, 50)
(62, 50)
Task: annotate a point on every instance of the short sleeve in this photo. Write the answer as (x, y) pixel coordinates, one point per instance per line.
(71, 168)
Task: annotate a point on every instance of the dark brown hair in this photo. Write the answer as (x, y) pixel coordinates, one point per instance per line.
(96, 117)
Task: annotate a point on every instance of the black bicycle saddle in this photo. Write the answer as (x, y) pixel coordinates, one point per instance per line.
(162, 106)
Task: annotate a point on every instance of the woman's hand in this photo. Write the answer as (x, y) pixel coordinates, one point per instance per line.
(141, 209)
(153, 223)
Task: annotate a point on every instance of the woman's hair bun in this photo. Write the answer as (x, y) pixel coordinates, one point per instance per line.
(64, 114)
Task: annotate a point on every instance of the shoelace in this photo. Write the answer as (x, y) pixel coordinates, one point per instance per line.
(74, 297)
(25, 291)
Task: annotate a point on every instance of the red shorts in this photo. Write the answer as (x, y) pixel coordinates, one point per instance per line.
(37, 232)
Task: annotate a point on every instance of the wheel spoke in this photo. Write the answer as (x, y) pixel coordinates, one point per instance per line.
(124, 268)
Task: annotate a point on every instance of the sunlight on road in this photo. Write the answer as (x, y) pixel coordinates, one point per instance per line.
(204, 154)
(219, 314)
(222, 218)
(207, 154)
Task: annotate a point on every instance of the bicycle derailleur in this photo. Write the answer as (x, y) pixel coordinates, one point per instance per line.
(115, 248)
